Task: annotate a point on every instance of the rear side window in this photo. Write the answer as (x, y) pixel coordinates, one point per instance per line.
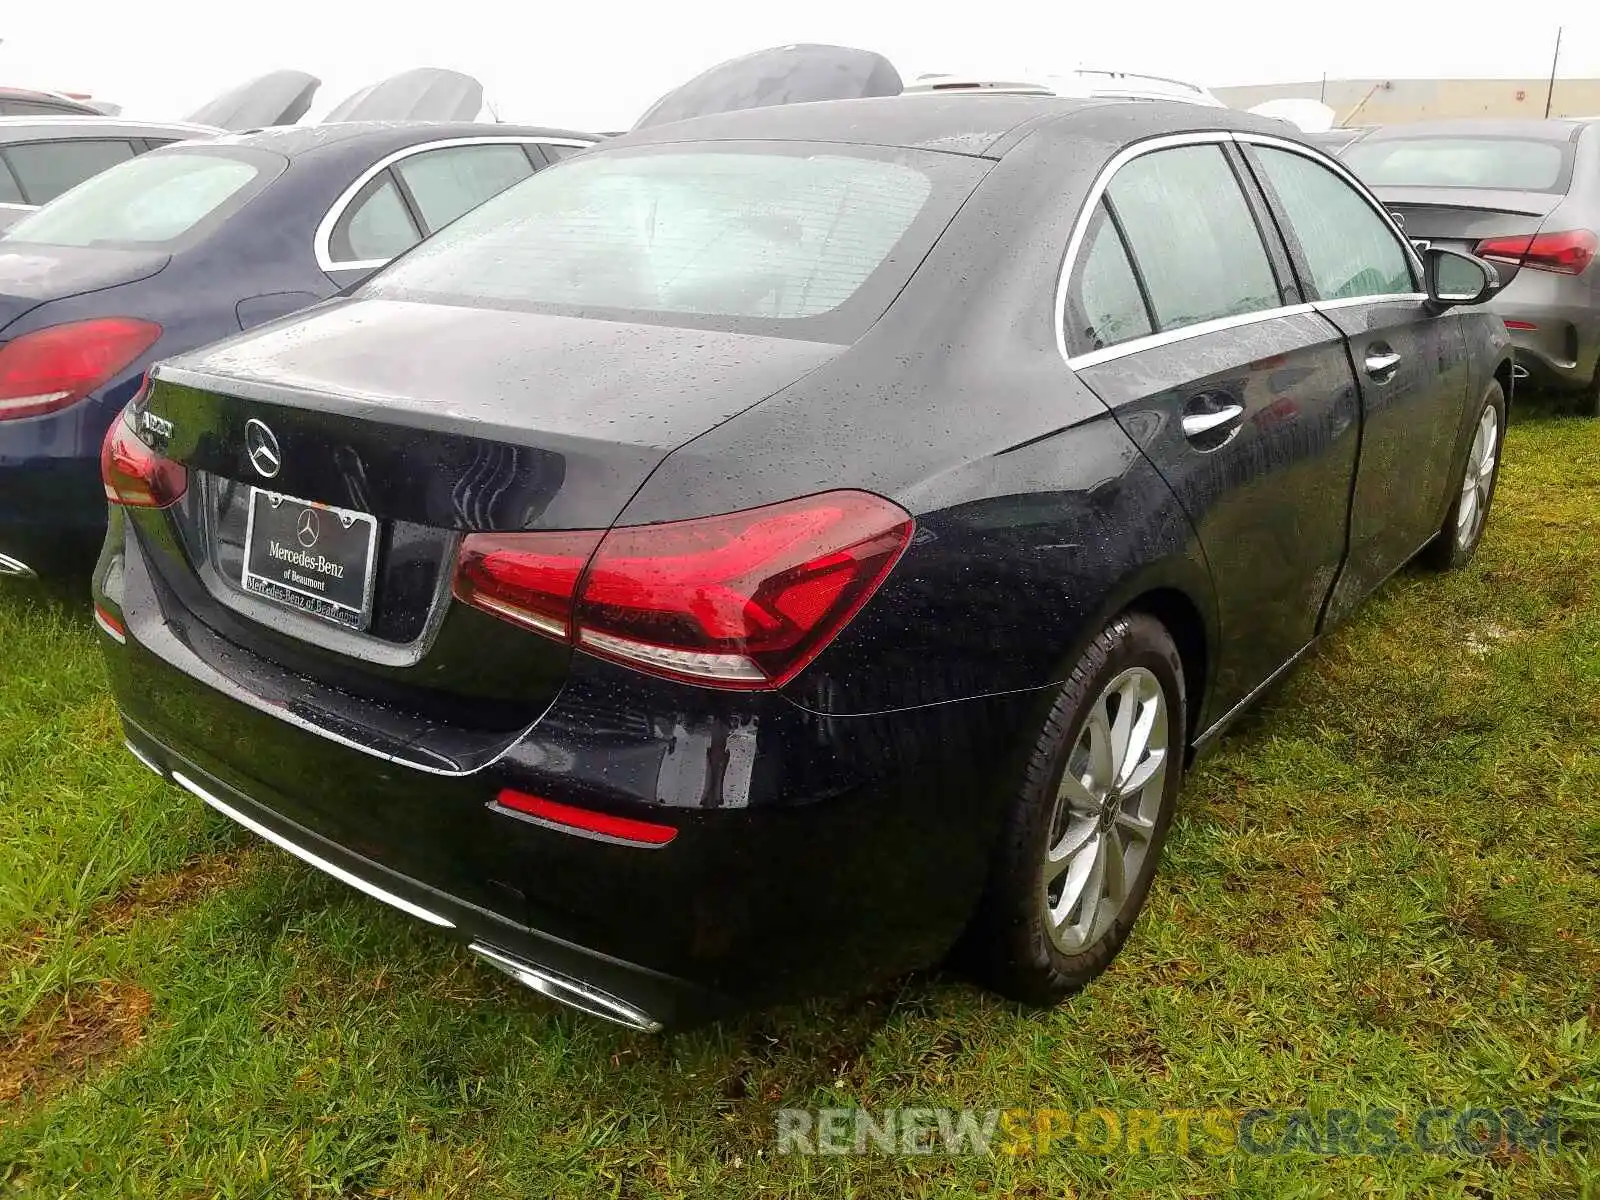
(1347, 246)
(1192, 235)
(376, 227)
(1501, 163)
(1104, 304)
(555, 152)
(152, 200)
(46, 169)
(446, 183)
(727, 238)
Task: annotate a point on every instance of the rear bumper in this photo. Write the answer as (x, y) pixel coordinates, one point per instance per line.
(812, 853)
(51, 499)
(51, 506)
(1562, 348)
(603, 986)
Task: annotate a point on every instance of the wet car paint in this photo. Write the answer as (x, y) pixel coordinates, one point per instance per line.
(873, 784)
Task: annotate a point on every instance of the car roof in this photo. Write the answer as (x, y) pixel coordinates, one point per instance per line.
(958, 123)
(66, 104)
(14, 129)
(1550, 128)
(292, 141)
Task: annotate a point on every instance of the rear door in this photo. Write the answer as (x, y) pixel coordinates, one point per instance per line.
(1411, 363)
(1181, 312)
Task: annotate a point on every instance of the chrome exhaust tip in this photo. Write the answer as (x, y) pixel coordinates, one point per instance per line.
(15, 568)
(573, 993)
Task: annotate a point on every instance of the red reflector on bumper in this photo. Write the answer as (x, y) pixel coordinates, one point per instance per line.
(583, 820)
(110, 624)
(1521, 325)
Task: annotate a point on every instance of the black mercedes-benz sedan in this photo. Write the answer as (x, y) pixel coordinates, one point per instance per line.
(774, 549)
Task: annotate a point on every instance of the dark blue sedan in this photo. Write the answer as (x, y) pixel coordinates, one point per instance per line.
(186, 245)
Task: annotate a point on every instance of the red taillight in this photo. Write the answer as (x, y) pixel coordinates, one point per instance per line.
(134, 474)
(1566, 253)
(49, 369)
(621, 829)
(528, 578)
(744, 600)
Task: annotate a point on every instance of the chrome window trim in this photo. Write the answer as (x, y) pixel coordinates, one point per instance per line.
(1353, 301)
(1166, 337)
(324, 235)
(1127, 154)
(1097, 189)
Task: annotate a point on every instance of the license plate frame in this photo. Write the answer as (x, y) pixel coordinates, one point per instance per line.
(288, 569)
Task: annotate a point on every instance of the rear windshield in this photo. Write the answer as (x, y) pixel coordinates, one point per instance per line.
(150, 201)
(1502, 163)
(776, 239)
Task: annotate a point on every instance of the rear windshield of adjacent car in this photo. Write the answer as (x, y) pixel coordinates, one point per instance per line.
(1501, 163)
(808, 242)
(151, 201)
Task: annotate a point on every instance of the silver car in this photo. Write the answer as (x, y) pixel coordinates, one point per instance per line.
(1523, 194)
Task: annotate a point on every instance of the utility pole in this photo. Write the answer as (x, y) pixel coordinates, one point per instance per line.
(1554, 59)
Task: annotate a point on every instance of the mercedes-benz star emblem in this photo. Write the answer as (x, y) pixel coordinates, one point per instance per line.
(261, 444)
(306, 528)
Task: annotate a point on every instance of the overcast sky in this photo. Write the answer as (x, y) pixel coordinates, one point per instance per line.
(599, 65)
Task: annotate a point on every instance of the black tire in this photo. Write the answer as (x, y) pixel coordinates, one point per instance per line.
(1009, 944)
(1589, 398)
(1448, 551)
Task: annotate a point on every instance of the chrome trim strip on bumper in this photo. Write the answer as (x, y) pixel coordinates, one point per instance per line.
(304, 855)
(563, 989)
(143, 757)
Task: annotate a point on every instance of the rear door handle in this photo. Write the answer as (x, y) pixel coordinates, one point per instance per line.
(1199, 424)
(1381, 364)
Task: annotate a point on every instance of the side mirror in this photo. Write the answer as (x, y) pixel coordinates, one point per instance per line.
(1452, 277)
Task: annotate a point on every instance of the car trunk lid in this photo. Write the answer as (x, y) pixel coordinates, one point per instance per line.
(515, 421)
(1460, 218)
(31, 275)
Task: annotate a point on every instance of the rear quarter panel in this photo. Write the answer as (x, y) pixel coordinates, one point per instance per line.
(1037, 518)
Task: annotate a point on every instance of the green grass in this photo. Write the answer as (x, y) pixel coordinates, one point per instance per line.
(1382, 891)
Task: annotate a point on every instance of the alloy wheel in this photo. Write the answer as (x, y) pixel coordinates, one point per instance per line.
(1479, 478)
(1106, 809)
